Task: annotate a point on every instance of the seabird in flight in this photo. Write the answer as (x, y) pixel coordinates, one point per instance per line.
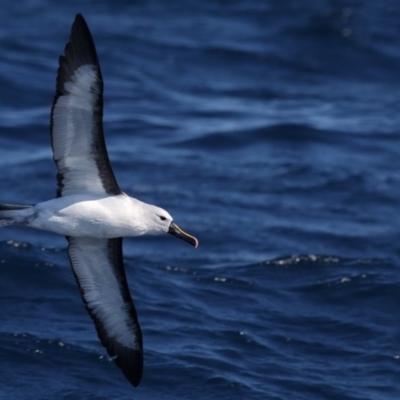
(90, 209)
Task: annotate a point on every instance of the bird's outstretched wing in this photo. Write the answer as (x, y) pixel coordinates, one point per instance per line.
(76, 125)
(99, 271)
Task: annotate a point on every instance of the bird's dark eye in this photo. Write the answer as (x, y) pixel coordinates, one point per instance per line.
(162, 218)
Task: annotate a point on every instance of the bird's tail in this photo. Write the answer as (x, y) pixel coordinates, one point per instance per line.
(15, 214)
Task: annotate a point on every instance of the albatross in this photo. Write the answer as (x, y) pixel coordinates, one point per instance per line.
(90, 209)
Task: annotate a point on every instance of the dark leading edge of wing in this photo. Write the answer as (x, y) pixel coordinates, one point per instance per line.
(99, 271)
(76, 119)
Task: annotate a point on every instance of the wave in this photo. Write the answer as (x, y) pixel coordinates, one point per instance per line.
(279, 133)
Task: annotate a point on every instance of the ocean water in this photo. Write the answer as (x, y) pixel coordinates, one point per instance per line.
(271, 131)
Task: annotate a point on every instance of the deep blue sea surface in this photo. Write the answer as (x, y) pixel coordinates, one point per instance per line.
(271, 131)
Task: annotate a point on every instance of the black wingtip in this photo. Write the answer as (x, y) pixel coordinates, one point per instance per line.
(80, 24)
(80, 50)
(79, 17)
(131, 364)
(128, 360)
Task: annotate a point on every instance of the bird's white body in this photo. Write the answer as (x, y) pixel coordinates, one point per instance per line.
(96, 216)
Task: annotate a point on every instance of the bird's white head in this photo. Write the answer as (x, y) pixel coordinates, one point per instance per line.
(162, 222)
(159, 219)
